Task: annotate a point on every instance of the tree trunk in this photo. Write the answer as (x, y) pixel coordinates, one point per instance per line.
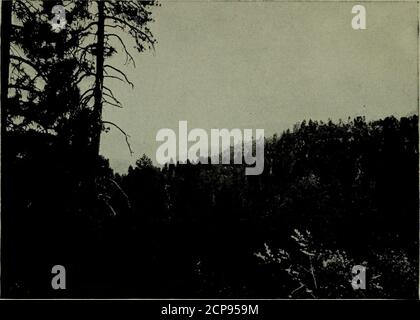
(97, 111)
(6, 29)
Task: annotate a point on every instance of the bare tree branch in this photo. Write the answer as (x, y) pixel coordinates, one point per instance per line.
(121, 191)
(115, 77)
(129, 57)
(23, 87)
(123, 132)
(120, 72)
(112, 95)
(115, 101)
(29, 63)
(84, 93)
(112, 104)
(94, 23)
(132, 28)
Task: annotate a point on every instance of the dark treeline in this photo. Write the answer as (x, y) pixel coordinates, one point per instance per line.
(332, 195)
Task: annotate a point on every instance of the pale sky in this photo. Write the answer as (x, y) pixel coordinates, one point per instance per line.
(264, 65)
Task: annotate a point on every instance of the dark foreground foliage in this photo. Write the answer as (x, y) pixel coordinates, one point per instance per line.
(332, 195)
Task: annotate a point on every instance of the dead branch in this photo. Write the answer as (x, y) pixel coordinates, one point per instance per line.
(123, 132)
(129, 57)
(112, 104)
(120, 72)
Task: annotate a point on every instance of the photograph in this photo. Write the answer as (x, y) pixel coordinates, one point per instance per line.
(209, 150)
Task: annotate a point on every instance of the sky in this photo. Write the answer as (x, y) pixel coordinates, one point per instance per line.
(264, 65)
